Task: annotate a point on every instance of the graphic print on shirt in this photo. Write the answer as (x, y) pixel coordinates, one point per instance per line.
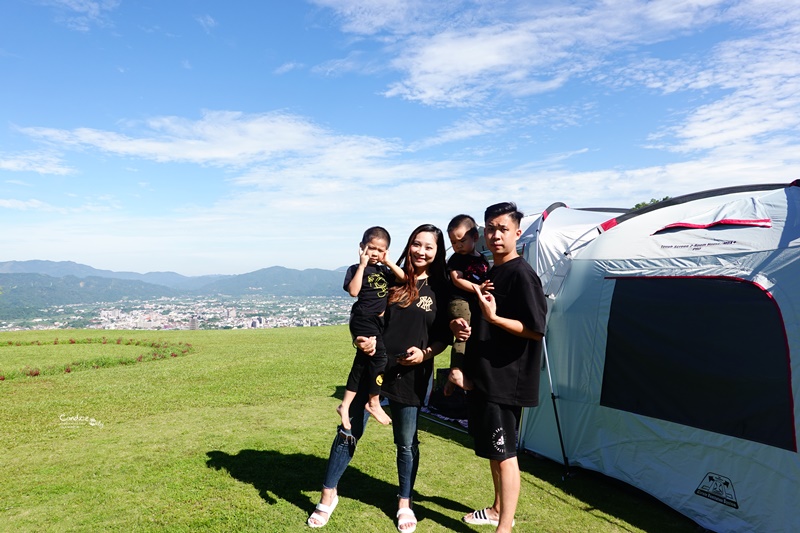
(378, 281)
(476, 272)
(425, 302)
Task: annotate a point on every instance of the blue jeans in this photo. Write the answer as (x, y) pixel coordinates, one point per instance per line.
(404, 427)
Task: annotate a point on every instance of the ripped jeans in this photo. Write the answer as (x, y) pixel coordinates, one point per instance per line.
(404, 426)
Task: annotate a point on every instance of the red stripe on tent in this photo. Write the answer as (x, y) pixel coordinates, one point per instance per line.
(608, 224)
(552, 207)
(760, 223)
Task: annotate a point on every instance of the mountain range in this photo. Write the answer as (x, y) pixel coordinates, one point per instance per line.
(26, 285)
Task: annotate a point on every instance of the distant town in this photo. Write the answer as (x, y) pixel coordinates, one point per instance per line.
(170, 313)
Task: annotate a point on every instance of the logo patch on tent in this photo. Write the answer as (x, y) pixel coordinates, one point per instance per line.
(719, 489)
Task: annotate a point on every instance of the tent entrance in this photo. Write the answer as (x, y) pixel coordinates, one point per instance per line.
(705, 352)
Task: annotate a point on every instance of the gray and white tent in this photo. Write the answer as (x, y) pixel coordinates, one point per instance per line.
(671, 342)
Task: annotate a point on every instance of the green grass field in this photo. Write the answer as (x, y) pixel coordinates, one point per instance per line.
(233, 435)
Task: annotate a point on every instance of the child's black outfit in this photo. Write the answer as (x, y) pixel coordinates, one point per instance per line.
(464, 304)
(366, 320)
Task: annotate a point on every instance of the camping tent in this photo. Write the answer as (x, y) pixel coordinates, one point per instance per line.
(670, 341)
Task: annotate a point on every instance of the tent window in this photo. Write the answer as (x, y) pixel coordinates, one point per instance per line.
(709, 353)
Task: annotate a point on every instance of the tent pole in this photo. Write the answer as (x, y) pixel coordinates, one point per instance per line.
(567, 473)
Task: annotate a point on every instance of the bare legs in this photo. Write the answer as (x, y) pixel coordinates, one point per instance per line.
(506, 480)
(373, 407)
(505, 475)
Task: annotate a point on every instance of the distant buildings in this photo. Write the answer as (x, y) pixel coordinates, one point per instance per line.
(193, 313)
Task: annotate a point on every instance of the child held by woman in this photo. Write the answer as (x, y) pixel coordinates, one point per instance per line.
(369, 280)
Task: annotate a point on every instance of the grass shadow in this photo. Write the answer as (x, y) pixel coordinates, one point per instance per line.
(279, 476)
(339, 392)
(596, 491)
(608, 496)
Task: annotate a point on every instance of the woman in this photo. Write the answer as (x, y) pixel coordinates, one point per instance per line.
(416, 330)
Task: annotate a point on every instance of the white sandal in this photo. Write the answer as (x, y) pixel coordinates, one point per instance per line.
(322, 508)
(406, 516)
(479, 517)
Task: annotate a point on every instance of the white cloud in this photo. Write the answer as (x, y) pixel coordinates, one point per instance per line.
(81, 15)
(562, 116)
(219, 138)
(24, 205)
(467, 128)
(763, 80)
(287, 67)
(369, 17)
(748, 93)
(34, 161)
(207, 22)
(19, 182)
(336, 67)
(462, 53)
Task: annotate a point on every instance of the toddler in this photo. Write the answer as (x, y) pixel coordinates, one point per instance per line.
(467, 268)
(369, 280)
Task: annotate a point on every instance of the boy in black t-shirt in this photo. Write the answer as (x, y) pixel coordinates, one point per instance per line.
(467, 268)
(369, 280)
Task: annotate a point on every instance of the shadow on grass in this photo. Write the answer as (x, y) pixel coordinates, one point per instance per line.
(603, 495)
(598, 493)
(278, 476)
(339, 392)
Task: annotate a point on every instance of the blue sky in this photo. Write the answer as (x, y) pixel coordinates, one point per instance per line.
(223, 137)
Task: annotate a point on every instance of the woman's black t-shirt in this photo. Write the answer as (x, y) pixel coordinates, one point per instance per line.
(420, 324)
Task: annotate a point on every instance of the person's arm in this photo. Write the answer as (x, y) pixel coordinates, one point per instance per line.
(515, 327)
(354, 287)
(366, 344)
(457, 277)
(417, 355)
(461, 329)
(396, 270)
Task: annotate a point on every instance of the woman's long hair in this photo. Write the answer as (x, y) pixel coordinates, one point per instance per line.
(405, 293)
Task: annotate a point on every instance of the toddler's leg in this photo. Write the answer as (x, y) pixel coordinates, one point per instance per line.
(366, 326)
(377, 365)
(358, 370)
(458, 309)
(457, 379)
(344, 408)
(374, 408)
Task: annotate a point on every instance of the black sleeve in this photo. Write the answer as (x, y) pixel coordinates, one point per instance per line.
(533, 304)
(348, 277)
(440, 329)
